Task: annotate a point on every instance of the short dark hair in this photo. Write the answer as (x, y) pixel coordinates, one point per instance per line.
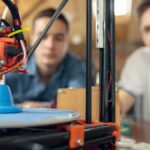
(142, 7)
(49, 12)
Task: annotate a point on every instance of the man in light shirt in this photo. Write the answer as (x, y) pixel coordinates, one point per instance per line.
(135, 77)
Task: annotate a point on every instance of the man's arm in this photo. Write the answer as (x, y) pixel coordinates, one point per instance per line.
(131, 80)
(33, 104)
(126, 101)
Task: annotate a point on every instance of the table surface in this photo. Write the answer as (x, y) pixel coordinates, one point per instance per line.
(141, 132)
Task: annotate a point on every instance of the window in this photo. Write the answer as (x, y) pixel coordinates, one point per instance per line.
(123, 7)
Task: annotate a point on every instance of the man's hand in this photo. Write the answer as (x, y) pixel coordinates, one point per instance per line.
(32, 104)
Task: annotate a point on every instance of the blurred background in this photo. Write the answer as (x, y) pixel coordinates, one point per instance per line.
(127, 33)
(128, 36)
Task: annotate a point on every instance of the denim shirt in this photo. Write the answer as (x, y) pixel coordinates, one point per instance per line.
(29, 86)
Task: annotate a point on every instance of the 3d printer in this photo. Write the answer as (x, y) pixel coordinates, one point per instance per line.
(47, 129)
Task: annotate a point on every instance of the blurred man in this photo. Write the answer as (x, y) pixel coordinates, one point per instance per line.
(51, 67)
(135, 77)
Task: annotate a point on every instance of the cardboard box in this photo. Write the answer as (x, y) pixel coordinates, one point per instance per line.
(74, 99)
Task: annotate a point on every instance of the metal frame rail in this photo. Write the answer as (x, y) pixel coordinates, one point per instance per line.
(29, 138)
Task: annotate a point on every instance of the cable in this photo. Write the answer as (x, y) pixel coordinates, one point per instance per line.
(5, 13)
(18, 31)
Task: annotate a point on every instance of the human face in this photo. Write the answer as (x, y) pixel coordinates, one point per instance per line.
(53, 47)
(145, 27)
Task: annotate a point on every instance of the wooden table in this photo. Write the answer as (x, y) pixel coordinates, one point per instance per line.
(141, 132)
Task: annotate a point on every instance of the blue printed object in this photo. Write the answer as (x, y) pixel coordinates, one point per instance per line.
(6, 101)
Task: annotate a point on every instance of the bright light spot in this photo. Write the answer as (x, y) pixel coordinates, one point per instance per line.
(77, 39)
(122, 7)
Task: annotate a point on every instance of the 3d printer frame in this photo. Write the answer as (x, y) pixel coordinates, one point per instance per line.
(80, 135)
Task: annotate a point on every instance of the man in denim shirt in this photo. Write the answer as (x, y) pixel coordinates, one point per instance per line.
(51, 67)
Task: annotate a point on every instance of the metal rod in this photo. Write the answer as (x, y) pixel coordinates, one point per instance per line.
(109, 62)
(88, 60)
(104, 70)
(54, 137)
(101, 84)
(110, 41)
(100, 26)
(112, 61)
(102, 42)
(48, 26)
